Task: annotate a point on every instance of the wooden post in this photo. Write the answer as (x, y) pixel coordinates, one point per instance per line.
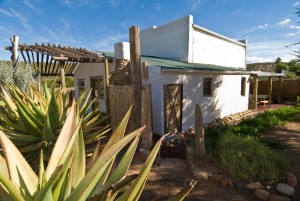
(255, 89)
(14, 57)
(269, 91)
(136, 78)
(199, 133)
(61, 62)
(280, 90)
(106, 87)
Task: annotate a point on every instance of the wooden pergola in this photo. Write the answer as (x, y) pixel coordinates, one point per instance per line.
(45, 58)
(270, 75)
(54, 60)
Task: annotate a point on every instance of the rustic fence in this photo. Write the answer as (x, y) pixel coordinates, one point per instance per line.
(290, 88)
(120, 100)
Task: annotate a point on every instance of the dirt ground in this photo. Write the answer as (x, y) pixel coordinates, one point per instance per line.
(173, 174)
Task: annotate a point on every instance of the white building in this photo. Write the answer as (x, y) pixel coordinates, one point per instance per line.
(187, 65)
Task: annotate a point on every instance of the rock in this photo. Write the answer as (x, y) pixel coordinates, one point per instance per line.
(278, 198)
(285, 189)
(224, 182)
(254, 185)
(261, 194)
(241, 186)
(230, 183)
(200, 174)
(291, 179)
(216, 177)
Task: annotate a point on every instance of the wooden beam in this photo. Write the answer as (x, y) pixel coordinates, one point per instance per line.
(255, 89)
(280, 90)
(269, 91)
(61, 63)
(106, 87)
(15, 57)
(136, 78)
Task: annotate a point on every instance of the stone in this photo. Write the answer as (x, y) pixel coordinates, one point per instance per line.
(278, 198)
(285, 189)
(291, 179)
(201, 175)
(241, 186)
(224, 182)
(261, 194)
(254, 185)
(216, 177)
(230, 183)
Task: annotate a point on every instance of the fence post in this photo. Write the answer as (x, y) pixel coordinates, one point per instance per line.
(136, 78)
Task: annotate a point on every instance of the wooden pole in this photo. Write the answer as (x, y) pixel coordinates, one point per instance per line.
(61, 63)
(280, 90)
(136, 78)
(255, 89)
(106, 87)
(15, 57)
(199, 133)
(269, 91)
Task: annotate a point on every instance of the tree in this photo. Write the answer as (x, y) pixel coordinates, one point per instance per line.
(279, 66)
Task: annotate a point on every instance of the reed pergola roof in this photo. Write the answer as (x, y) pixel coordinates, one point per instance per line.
(43, 57)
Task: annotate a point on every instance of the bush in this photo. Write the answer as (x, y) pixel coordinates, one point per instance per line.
(248, 159)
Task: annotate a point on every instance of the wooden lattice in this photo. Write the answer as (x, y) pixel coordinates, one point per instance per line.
(43, 57)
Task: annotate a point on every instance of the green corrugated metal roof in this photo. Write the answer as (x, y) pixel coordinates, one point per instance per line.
(177, 64)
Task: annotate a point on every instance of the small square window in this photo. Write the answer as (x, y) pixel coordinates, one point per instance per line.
(243, 86)
(207, 86)
(81, 87)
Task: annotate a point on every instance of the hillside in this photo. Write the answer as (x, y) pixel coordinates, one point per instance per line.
(267, 67)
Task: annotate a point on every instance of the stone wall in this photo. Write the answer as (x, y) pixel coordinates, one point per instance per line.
(290, 88)
(121, 75)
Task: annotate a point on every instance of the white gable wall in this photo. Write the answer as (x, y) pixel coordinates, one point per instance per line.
(208, 49)
(170, 40)
(226, 99)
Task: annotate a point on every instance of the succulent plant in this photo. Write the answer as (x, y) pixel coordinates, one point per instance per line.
(33, 121)
(69, 177)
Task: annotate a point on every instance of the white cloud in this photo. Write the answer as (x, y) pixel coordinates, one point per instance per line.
(157, 7)
(32, 7)
(21, 18)
(5, 13)
(294, 27)
(79, 3)
(268, 51)
(262, 26)
(194, 4)
(296, 3)
(291, 34)
(107, 43)
(64, 22)
(284, 22)
(114, 3)
(51, 32)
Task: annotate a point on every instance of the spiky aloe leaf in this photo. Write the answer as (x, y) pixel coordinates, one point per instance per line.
(15, 161)
(53, 112)
(78, 164)
(27, 123)
(184, 192)
(88, 183)
(47, 130)
(62, 142)
(11, 188)
(135, 189)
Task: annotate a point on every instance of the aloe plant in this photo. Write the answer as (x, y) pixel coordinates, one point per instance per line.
(69, 176)
(33, 121)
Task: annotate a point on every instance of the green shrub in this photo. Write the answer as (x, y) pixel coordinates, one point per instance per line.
(248, 159)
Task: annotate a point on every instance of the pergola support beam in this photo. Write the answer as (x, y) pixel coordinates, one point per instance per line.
(269, 91)
(255, 90)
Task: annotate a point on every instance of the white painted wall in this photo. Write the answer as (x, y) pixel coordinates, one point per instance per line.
(209, 49)
(170, 40)
(226, 99)
(181, 39)
(86, 71)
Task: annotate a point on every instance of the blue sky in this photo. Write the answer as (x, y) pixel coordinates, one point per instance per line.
(268, 25)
